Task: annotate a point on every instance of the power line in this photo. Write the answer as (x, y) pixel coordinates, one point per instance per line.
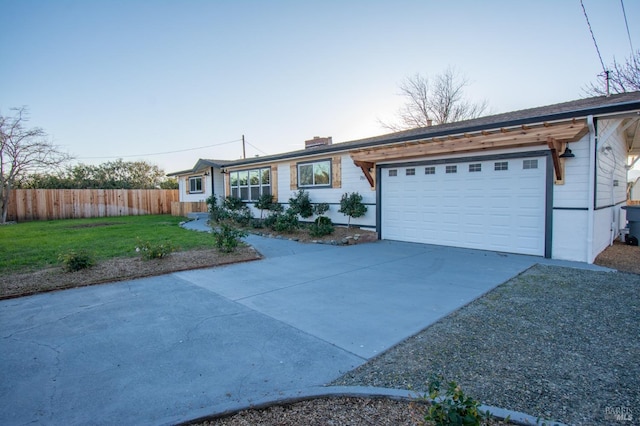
(161, 153)
(627, 25)
(604, 69)
(248, 143)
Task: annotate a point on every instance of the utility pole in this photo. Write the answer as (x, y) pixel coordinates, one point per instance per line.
(244, 154)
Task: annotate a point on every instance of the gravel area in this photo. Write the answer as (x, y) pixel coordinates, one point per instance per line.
(554, 342)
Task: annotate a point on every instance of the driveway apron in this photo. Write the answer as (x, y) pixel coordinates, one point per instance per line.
(166, 349)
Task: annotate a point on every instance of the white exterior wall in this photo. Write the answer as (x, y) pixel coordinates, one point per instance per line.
(218, 185)
(571, 200)
(611, 158)
(352, 180)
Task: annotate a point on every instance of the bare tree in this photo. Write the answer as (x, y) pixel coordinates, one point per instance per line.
(23, 151)
(622, 78)
(436, 101)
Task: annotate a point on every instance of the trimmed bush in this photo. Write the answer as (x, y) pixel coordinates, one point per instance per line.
(150, 251)
(227, 238)
(73, 261)
(320, 227)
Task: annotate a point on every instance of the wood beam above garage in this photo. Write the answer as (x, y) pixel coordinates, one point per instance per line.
(485, 140)
(521, 136)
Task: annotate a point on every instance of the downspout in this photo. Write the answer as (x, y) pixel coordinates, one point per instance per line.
(591, 201)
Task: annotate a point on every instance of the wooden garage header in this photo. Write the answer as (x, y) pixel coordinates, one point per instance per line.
(513, 137)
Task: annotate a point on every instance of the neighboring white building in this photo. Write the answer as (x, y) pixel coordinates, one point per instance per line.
(547, 181)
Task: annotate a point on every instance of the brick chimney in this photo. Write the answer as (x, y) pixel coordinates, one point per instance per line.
(317, 141)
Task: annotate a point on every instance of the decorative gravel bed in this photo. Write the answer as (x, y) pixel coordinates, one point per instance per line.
(554, 342)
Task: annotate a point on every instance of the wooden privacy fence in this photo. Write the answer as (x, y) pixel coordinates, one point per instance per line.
(49, 204)
(183, 208)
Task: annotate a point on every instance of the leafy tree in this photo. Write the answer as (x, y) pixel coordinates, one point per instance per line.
(264, 203)
(117, 174)
(23, 151)
(437, 101)
(351, 205)
(622, 78)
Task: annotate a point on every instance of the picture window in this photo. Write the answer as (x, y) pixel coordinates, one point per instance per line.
(249, 185)
(316, 174)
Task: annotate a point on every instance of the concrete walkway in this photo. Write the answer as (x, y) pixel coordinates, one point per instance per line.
(171, 348)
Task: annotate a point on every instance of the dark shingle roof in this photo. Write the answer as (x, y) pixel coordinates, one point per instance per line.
(562, 111)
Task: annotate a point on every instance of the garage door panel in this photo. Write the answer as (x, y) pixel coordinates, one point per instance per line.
(500, 210)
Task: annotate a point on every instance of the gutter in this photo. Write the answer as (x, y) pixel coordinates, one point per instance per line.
(591, 201)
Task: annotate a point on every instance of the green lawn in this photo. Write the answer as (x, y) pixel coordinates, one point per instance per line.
(34, 245)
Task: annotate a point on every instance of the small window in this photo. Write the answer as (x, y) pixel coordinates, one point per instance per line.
(529, 164)
(195, 184)
(476, 167)
(314, 174)
(393, 172)
(431, 170)
(451, 169)
(501, 165)
(411, 172)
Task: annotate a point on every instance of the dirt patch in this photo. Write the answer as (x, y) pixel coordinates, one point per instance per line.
(620, 256)
(118, 269)
(340, 236)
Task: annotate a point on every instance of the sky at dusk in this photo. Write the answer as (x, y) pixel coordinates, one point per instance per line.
(156, 80)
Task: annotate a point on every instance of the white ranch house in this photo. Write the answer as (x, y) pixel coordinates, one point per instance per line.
(547, 181)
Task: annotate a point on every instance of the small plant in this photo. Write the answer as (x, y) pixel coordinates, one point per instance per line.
(232, 203)
(227, 238)
(73, 261)
(452, 407)
(320, 227)
(351, 205)
(150, 250)
(300, 203)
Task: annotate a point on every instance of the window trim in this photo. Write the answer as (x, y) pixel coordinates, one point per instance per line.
(195, 179)
(313, 174)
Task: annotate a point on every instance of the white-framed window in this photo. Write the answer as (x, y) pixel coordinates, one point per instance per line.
(501, 165)
(431, 170)
(316, 174)
(530, 164)
(195, 184)
(249, 185)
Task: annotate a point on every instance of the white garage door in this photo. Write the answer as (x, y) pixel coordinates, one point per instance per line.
(491, 204)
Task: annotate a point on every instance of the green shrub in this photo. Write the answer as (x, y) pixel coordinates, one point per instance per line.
(232, 203)
(452, 407)
(76, 260)
(227, 238)
(285, 222)
(216, 211)
(351, 205)
(150, 250)
(300, 204)
(320, 227)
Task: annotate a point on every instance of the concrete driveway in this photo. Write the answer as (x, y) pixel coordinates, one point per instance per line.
(171, 348)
